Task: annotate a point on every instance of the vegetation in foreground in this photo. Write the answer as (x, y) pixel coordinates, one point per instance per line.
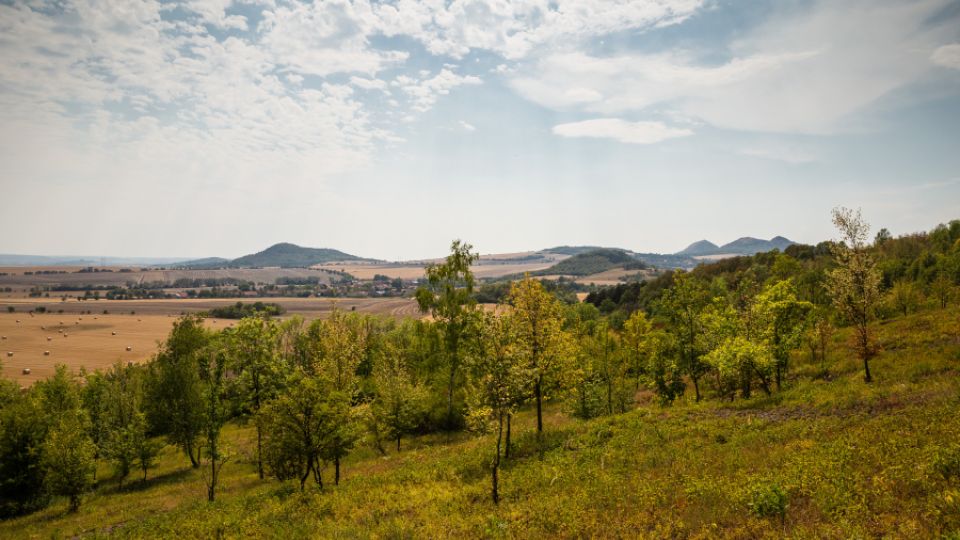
(732, 408)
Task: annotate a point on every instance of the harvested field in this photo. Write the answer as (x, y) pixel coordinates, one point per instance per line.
(91, 342)
(17, 277)
(489, 266)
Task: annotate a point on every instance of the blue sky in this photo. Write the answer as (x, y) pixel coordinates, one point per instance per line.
(386, 129)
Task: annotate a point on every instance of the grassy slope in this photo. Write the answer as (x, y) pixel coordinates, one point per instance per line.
(856, 461)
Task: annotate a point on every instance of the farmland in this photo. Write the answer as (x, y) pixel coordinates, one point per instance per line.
(96, 340)
(23, 278)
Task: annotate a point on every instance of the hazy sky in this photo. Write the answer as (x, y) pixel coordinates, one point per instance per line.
(386, 129)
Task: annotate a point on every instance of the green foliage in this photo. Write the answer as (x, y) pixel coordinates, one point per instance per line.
(593, 262)
(68, 459)
(241, 310)
(174, 390)
(23, 429)
(768, 500)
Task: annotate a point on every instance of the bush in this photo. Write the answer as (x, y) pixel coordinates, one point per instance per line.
(947, 463)
(768, 500)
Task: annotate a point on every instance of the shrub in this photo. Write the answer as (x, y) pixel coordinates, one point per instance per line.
(768, 500)
(947, 462)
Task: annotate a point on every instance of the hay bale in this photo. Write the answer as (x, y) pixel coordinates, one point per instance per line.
(41, 327)
(65, 335)
(3, 337)
(129, 348)
(26, 371)
(49, 338)
(9, 354)
(113, 333)
(46, 353)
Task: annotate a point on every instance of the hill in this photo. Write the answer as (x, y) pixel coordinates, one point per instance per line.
(746, 245)
(593, 262)
(207, 262)
(291, 255)
(572, 250)
(702, 247)
(844, 459)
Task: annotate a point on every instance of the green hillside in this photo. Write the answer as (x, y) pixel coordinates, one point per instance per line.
(292, 256)
(592, 262)
(852, 460)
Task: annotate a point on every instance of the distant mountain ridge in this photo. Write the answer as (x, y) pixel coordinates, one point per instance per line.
(746, 245)
(593, 261)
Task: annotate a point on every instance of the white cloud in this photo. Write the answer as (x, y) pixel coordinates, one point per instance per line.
(512, 29)
(424, 92)
(467, 126)
(214, 12)
(806, 72)
(621, 130)
(368, 84)
(947, 56)
(322, 38)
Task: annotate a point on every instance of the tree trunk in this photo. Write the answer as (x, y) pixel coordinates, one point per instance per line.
(306, 474)
(453, 374)
(866, 370)
(696, 386)
(506, 450)
(259, 451)
(398, 442)
(336, 471)
(188, 448)
(778, 376)
(74, 503)
(539, 395)
(496, 462)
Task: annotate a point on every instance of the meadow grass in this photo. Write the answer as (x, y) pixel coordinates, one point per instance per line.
(828, 457)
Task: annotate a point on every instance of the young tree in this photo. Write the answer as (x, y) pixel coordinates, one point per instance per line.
(341, 346)
(173, 401)
(213, 363)
(448, 297)
(253, 347)
(942, 289)
(818, 340)
(125, 423)
(783, 318)
(23, 430)
(854, 286)
(663, 370)
(398, 405)
(904, 296)
(682, 305)
(636, 332)
(499, 376)
(94, 397)
(298, 427)
(68, 458)
(538, 318)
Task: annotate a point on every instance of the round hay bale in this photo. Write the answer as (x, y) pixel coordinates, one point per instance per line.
(46, 353)
(3, 337)
(49, 338)
(129, 348)
(113, 333)
(41, 327)
(65, 335)
(26, 371)
(18, 321)
(60, 330)
(9, 354)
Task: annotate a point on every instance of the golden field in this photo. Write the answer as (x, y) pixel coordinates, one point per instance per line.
(79, 339)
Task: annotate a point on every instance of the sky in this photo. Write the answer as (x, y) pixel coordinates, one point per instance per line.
(386, 129)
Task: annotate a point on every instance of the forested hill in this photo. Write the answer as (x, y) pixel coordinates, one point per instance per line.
(291, 255)
(592, 262)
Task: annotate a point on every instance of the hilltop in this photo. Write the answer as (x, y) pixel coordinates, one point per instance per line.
(593, 262)
(746, 245)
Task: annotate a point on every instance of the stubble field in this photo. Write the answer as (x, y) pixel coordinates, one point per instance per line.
(96, 340)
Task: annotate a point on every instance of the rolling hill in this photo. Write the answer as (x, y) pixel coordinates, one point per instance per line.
(593, 262)
(746, 245)
(291, 255)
